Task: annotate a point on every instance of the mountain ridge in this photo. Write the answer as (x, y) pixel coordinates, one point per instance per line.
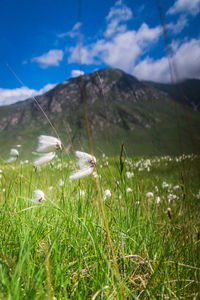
(118, 104)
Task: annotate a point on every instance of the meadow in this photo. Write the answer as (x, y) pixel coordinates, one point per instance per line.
(130, 230)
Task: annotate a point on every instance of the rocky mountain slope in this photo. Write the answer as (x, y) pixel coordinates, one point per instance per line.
(120, 109)
(186, 92)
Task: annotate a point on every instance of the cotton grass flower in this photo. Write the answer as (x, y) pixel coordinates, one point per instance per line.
(43, 159)
(61, 182)
(107, 194)
(14, 155)
(157, 199)
(38, 196)
(86, 163)
(171, 197)
(47, 146)
(149, 195)
(129, 174)
(82, 193)
(176, 187)
(129, 190)
(169, 213)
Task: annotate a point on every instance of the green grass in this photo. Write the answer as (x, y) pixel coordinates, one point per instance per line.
(60, 248)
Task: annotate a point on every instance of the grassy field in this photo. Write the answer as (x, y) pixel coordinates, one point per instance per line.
(133, 234)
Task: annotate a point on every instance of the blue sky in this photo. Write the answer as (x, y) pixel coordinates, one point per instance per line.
(39, 41)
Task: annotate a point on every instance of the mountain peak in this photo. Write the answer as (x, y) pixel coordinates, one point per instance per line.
(115, 100)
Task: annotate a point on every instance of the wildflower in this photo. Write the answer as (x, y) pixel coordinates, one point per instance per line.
(107, 194)
(61, 182)
(169, 212)
(171, 197)
(43, 159)
(47, 146)
(198, 195)
(129, 174)
(149, 195)
(165, 185)
(14, 155)
(38, 196)
(14, 152)
(129, 190)
(82, 193)
(86, 163)
(157, 199)
(176, 187)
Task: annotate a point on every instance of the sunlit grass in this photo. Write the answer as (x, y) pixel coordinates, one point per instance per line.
(59, 248)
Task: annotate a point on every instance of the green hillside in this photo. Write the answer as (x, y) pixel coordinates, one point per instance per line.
(129, 112)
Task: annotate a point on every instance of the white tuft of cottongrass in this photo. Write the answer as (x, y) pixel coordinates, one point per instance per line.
(38, 196)
(129, 174)
(14, 155)
(149, 195)
(43, 159)
(86, 163)
(61, 182)
(14, 152)
(157, 199)
(107, 194)
(48, 144)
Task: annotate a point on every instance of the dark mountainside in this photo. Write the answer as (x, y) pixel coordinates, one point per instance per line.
(186, 92)
(127, 111)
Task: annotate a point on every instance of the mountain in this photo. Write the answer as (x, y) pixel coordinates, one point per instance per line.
(185, 92)
(120, 109)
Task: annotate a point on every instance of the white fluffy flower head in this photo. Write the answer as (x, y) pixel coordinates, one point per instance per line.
(14, 155)
(14, 152)
(86, 163)
(43, 159)
(48, 144)
(38, 196)
(107, 194)
(149, 195)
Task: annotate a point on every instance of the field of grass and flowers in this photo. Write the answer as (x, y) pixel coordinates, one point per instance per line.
(129, 231)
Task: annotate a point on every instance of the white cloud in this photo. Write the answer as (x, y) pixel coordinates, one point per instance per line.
(179, 26)
(76, 73)
(120, 51)
(72, 33)
(187, 6)
(87, 57)
(186, 60)
(118, 13)
(118, 47)
(152, 70)
(10, 96)
(51, 58)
